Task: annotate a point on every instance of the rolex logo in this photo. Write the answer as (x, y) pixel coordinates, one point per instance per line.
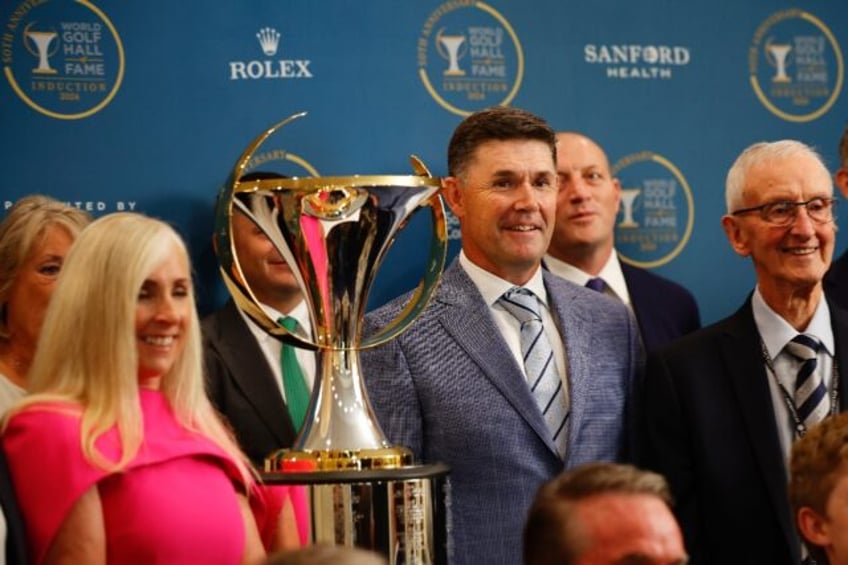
(269, 40)
(267, 68)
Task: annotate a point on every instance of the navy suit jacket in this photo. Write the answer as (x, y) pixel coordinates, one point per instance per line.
(711, 430)
(836, 281)
(664, 310)
(16, 545)
(450, 389)
(242, 386)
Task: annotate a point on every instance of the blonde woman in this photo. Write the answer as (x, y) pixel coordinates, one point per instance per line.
(35, 236)
(117, 455)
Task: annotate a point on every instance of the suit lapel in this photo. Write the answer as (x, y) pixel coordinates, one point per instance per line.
(255, 378)
(740, 349)
(573, 326)
(637, 298)
(468, 321)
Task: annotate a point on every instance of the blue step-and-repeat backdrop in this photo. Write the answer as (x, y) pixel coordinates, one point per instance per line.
(146, 106)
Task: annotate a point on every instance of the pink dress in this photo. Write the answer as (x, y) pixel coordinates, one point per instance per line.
(174, 503)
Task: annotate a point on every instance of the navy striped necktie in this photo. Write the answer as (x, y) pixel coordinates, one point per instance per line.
(811, 401)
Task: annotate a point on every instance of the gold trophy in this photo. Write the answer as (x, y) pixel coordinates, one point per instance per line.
(334, 233)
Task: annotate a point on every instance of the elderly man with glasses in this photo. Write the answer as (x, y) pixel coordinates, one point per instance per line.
(724, 404)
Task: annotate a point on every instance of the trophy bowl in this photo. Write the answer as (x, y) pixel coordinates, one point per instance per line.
(334, 233)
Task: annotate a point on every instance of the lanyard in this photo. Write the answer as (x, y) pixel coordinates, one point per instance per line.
(788, 399)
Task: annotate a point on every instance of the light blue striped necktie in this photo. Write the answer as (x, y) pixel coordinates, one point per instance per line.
(539, 365)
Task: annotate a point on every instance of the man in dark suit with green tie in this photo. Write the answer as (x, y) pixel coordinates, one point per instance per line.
(244, 366)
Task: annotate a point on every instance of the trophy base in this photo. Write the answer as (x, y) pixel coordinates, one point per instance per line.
(288, 460)
(401, 513)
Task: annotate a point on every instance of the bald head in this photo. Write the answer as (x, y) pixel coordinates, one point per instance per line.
(588, 203)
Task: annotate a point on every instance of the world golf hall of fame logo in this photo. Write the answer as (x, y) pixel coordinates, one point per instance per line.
(657, 212)
(796, 66)
(63, 59)
(469, 57)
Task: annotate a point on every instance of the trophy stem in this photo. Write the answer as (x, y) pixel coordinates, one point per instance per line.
(340, 430)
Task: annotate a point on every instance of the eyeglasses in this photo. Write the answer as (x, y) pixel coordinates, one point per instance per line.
(783, 213)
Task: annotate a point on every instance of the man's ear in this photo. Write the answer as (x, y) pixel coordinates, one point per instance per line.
(813, 527)
(616, 184)
(452, 193)
(734, 235)
(841, 181)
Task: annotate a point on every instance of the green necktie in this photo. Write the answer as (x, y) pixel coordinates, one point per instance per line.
(297, 393)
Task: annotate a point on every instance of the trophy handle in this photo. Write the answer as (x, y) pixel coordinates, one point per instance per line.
(230, 268)
(435, 265)
(241, 164)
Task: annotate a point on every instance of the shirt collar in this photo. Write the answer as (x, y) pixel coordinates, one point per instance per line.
(299, 313)
(492, 286)
(776, 332)
(610, 272)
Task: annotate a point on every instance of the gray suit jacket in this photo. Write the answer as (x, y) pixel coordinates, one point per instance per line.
(449, 389)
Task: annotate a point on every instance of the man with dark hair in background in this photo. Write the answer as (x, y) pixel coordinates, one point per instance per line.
(244, 363)
(836, 279)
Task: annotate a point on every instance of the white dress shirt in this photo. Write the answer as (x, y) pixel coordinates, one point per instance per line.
(611, 273)
(492, 287)
(272, 347)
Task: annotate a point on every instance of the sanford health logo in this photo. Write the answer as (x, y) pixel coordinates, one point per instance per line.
(269, 67)
(634, 61)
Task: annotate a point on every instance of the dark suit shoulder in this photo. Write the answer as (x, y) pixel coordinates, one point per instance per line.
(740, 324)
(664, 309)
(216, 323)
(661, 285)
(836, 282)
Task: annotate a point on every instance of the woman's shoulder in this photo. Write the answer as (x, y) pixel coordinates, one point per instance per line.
(38, 414)
(43, 423)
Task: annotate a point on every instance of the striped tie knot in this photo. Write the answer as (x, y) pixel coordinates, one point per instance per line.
(803, 347)
(521, 303)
